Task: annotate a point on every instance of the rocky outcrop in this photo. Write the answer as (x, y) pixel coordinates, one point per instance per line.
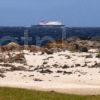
(18, 58)
(19, 68)
(74, 45)
(11, 47)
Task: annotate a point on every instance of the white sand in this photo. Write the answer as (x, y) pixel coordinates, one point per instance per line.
(83, 80)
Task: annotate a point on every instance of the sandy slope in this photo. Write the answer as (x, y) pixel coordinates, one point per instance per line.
(75, 80)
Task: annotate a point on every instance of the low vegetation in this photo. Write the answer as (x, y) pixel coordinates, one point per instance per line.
(98, 55)
(22, 94)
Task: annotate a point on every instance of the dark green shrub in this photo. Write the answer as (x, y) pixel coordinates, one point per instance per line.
(98, 55)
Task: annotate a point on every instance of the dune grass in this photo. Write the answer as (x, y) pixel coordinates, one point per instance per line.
(22, 94)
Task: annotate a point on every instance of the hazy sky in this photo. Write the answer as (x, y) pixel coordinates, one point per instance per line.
(70, 12)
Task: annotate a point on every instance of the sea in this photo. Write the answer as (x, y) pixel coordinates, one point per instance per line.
(40, 35)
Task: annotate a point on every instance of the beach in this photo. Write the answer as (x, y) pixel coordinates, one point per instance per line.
(65, 72)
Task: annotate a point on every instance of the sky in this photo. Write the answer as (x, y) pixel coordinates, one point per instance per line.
(74, 13)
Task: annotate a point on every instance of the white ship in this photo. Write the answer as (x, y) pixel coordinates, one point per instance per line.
(50, 23)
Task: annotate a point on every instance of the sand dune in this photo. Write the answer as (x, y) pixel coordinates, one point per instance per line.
(66, 72)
